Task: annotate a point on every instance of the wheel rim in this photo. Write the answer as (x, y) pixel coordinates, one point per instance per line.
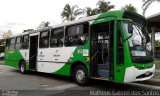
(22, 67)
(80, 75)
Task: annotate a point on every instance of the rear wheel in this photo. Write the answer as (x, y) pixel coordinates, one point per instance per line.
(23, 67)
(80, 75)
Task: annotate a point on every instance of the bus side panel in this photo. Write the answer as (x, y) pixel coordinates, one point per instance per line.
(65, 70)
(50, 60)
(24, 55)
(54, 68)
(10, 59)
(81, 54)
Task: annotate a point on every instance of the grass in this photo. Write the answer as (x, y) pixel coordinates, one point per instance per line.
(156, 62)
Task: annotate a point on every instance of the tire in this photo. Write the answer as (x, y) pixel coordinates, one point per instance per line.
(80, 75)
(22, 67)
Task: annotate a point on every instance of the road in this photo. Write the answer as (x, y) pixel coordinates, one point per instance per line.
(41, 84)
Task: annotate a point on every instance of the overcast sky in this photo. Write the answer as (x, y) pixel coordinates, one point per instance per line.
(18, 15)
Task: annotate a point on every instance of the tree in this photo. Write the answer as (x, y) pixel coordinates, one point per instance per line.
(129, 7)
(28, 30)
(70, 13)
(44, 24)
(157, 43)
(146, 4)
(88, 11)
(104, 6)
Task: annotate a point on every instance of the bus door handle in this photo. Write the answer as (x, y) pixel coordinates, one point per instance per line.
(55, 59)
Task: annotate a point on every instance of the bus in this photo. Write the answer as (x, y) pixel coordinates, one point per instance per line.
(113, 46)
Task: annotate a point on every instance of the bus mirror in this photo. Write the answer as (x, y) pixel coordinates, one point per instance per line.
(130, 28)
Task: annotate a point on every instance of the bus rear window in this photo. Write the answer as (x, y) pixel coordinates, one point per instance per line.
(12, 44)
(7, 43)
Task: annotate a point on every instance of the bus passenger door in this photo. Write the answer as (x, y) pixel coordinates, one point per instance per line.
(33, 52)
(102, 50)
(119, 67)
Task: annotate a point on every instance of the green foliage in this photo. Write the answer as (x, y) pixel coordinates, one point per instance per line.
(156, 62)
(104, 6)
(129, 7)
(88, 11)
(70, 13)
(44, 24)
(157, 43)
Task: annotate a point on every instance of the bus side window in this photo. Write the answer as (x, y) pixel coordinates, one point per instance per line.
(18, 43)
(25, 42)
(56, 39)
(12, 44)
(76, 34)
(7, 44)
(44, 39)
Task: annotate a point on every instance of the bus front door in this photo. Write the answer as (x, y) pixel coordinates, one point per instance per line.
(102, 50)
(119, 66)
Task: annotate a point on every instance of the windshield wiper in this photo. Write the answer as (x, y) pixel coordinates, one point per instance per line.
(140, 34)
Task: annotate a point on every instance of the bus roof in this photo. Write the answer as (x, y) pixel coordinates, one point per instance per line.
(116, 14)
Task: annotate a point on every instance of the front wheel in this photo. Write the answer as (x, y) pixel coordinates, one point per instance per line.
(80, 75)
(23, 67)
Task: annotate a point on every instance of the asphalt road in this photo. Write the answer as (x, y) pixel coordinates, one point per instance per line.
(41, 84)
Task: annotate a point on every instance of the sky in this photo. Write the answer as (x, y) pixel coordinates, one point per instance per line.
(18, 15)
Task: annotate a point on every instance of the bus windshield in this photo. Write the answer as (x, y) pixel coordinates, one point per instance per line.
(139, 43)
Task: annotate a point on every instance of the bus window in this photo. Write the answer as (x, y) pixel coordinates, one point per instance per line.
(44, 39)
(57, 36)
(7, 44)
(25, 42)
(18, 43)
(12, 44)
(76, 35)
(120, 50)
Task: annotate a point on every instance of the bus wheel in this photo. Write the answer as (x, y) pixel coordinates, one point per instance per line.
(23, 67)
(80, 75)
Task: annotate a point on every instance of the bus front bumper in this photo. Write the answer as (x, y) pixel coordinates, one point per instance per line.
(133, 74)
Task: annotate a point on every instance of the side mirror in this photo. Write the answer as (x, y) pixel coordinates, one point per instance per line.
(130, 28)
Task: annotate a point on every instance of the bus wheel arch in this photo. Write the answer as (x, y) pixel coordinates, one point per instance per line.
(79, 69)
(22, 66)
(19, 64)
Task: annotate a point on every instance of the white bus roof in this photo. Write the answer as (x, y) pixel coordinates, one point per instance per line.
(59, 25)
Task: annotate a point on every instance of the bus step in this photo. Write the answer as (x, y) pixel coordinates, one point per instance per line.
(103, 67)
(100, 78)
(103, 73)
